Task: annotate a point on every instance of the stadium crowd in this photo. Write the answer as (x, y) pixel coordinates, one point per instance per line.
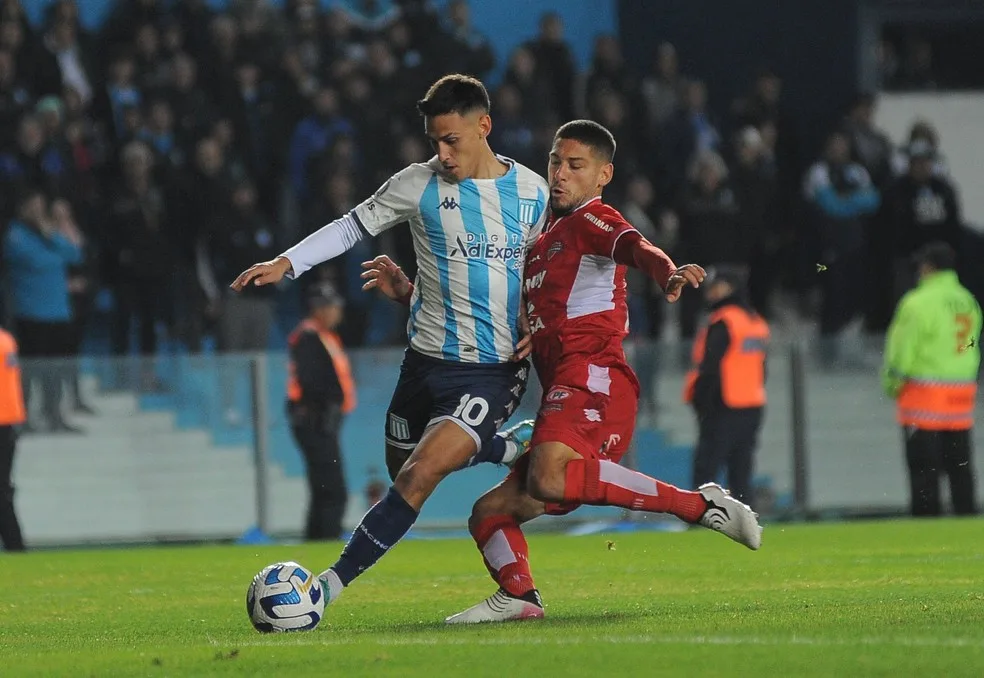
(143, 167)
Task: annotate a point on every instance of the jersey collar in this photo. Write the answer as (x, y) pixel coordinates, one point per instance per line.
(580, 207)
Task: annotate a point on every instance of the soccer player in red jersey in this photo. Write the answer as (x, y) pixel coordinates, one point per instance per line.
(575, 294)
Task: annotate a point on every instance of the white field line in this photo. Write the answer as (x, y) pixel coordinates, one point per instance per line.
(320, 638)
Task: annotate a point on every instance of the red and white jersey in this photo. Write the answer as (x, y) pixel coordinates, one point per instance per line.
(575, 291)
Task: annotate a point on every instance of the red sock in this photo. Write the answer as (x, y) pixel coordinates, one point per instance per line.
(605, 483)
(506, 553)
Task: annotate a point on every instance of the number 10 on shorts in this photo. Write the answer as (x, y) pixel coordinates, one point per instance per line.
(472, 411)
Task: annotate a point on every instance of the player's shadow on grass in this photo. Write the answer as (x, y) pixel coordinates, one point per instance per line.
(554, 620)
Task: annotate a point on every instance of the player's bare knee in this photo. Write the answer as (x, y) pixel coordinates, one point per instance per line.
(481, 510)
(417, 480)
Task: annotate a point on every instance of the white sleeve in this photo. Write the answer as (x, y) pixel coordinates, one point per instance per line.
(395, 201)
(326, 243)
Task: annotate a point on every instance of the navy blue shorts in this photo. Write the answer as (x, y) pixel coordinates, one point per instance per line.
(479, 398)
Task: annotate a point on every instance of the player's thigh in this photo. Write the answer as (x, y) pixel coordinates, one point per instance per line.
(478, 399)
(444, 448)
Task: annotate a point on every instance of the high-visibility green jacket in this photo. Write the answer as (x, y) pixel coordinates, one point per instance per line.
(934, 336)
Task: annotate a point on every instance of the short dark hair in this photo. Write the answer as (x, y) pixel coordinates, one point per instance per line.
(938, 255)
(455, 93)
(591, 134)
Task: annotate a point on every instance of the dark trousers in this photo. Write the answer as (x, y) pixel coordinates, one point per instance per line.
(10, 532)
(44, 347)
(930, 453)
(317, 435)
(842, 300)
(142, 301)
(727, 441)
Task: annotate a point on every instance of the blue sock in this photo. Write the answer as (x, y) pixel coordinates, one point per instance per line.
(493, 450)
(382, 526)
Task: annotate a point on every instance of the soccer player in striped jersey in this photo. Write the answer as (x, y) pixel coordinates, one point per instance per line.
(472, 214)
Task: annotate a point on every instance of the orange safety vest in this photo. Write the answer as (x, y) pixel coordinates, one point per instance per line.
(743, 364)
(333, 345)
(937, 405)
(11, 393)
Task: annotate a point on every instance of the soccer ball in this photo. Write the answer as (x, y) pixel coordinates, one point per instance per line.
(285, 597)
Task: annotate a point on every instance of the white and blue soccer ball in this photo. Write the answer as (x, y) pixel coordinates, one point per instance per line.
(285, 597)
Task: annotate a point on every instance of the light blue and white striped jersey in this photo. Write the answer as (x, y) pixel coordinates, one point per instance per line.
(470, 238)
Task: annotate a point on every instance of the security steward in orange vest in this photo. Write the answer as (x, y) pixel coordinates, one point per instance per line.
(12, 414)
(320, 392)
(726, 383)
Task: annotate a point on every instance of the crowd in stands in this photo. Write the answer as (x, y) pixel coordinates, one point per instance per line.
(143, 167)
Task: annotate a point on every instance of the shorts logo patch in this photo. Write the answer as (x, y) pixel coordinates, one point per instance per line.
(592, 415)
(558, 394)
(398, 427)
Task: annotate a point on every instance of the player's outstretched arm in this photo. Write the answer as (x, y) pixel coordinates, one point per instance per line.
(632, 249)
(383, 274)
(394, 202)
(264, 273)
(326, 243)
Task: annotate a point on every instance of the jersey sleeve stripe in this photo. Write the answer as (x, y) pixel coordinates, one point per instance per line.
(358, 222)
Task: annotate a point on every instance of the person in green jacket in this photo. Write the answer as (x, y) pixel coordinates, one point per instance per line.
(931, 367)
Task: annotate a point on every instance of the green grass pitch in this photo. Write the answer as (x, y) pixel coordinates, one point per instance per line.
(900, 598)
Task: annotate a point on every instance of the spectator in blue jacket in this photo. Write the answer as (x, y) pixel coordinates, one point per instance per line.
(314, 135)
(842, 197)
(36, 258)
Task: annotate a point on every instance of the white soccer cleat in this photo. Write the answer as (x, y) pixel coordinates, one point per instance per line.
(499, 607)
(730, 517)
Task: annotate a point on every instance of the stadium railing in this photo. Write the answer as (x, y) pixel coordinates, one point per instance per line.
(190, 448)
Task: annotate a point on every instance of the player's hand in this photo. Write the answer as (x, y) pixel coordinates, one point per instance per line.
(691, 274)
(525, 344)
(384, 275)
(266, 273)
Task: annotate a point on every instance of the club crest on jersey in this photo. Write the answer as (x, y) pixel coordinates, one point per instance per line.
(554, 249)
(527, 211)
(558, 394)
